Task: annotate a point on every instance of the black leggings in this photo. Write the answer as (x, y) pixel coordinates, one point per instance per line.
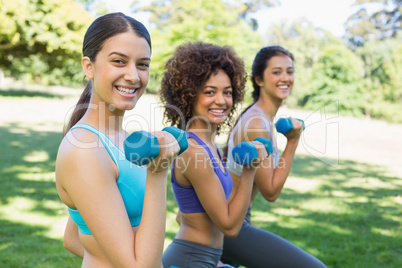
(186, 254)
(257, 248)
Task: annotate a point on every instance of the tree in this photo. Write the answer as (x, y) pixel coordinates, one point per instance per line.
(42, 39)
(305, 41)
(178, 21)
(383, 78)
(382, 24)
(337, 77)
(252, 6)
(96, 7)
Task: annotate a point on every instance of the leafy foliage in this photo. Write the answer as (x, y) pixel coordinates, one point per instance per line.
(372, 88)
(337, 77)
(178, 21)
(384, 23)
(305, 41)
(42, 38)
(383, 78)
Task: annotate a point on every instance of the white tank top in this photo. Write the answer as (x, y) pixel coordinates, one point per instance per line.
(253, 113)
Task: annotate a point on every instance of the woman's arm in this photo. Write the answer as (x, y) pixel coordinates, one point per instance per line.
(93, 191)
(270, 181)
(71, 240)
(228, 217)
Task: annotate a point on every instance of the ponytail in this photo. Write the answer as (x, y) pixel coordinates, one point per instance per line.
(103, 28)
(81, 107)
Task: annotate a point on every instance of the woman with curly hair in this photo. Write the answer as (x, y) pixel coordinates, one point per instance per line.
(201, 87)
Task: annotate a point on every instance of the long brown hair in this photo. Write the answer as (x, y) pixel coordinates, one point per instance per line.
(99, 31)
(260, 63)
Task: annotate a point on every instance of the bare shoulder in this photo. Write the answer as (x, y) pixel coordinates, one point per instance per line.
(190, 160)
(83, 160)
(252, 127)
(79, 145)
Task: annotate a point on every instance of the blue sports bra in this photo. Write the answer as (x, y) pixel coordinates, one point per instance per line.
(131, 182)
(186, 196)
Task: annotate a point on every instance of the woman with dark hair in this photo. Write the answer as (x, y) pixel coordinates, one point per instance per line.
(272, 77)
(201, 87)
(117, 210)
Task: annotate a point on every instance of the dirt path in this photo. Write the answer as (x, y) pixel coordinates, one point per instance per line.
(363, 140)
(327, 137)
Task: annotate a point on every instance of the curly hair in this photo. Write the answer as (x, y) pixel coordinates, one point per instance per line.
(186, 73)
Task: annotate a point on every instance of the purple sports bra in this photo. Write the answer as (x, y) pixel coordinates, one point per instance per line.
(186, 196)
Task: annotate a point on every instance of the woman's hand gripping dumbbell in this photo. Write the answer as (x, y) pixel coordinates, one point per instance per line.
(286, 125)
(142, 147)
(246, 153)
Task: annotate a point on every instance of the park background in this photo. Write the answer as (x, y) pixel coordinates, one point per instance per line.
(342, 201)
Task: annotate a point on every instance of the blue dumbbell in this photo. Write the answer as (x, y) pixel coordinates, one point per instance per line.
(142, 147)
(284, 125)
(245, 152)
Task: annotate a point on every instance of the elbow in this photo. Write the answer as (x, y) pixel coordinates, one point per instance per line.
(270, 197)
(77, 250)
(67, 245)
(232, 232)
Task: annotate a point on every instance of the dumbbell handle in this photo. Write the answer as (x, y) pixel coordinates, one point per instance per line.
(142, 147)
(284, 125)
(245, 152)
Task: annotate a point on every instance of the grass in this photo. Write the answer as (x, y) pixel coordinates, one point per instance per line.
(347, 216)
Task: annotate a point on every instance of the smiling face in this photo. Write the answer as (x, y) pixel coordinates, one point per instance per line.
(120, 71)
(278, 77)
(214, 101)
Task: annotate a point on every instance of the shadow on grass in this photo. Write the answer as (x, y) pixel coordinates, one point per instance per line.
(24, 246)
(27, 165)
(362, 232)
(29, 93)
(350, 219)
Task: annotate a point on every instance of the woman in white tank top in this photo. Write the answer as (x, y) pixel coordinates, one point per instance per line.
(272, 77)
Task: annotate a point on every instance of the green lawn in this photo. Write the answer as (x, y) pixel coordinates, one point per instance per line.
(348, 216)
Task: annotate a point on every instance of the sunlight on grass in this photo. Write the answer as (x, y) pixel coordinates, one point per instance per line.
(16, 144)
(18, 168)
(36, 156)
(385, 232)
(341, 194)
(56, 229)
(18, 130)
(50, 176)
(336, 229)
(361, 199)
(368, 183)
(325, 205)
(263, 216)
(302, 185)
(398, 199)
(5, 245)
(287, 211)
(25, 210)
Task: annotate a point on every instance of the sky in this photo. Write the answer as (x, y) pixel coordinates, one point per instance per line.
(327, 14)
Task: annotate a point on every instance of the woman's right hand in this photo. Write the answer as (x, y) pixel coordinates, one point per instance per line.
(168, 150)
(295, 133)
(261, 155)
